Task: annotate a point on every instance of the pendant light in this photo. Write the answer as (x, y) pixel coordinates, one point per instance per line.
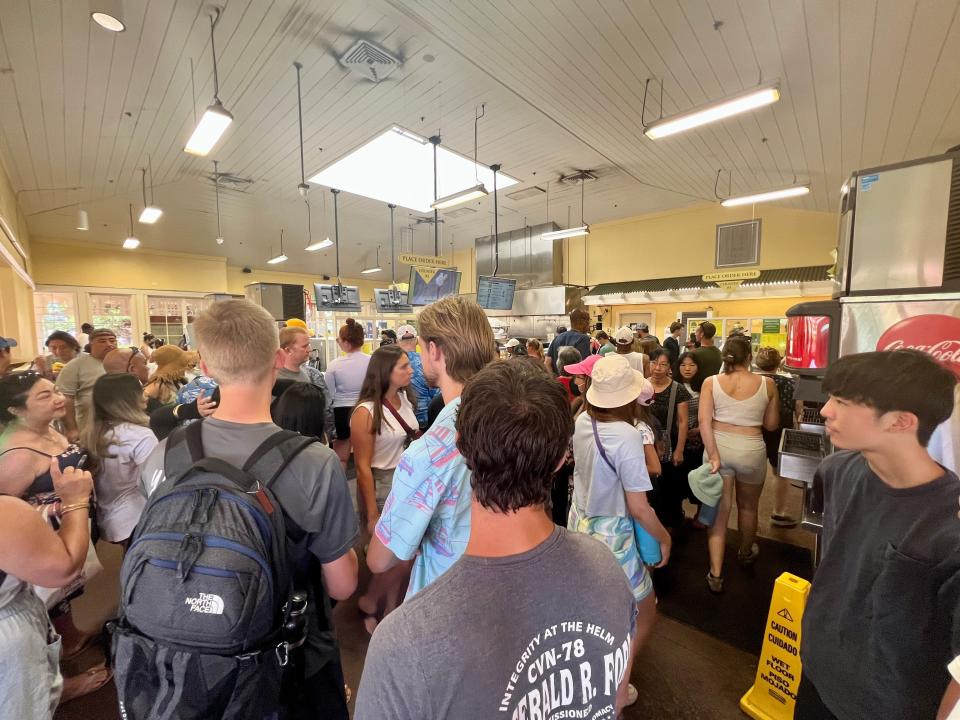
(131, 243)
(151, 213)
(281, 257)
(752, 99)
(216, 194)
(108, 14)
(581, 230)
(215, 118)
(83, 220)
(303, 188)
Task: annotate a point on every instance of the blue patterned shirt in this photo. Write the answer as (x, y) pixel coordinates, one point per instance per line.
(428, 509)
(424, 392)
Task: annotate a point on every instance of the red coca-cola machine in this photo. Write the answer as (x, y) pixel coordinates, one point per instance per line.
(896, 285)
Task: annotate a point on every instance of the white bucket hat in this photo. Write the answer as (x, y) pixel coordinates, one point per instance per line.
(614, 383)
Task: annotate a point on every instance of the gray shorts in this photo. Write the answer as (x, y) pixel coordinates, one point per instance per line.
(30, 681)
(742, 456)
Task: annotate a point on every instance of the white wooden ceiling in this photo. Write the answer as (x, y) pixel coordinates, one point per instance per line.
(864, 82)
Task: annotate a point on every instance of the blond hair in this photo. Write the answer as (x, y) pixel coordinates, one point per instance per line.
(238, 341)
(289, 334)
(462, 332)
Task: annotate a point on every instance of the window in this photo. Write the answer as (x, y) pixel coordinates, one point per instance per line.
(114, 312)
(55, 311)
(738, 244)
(166, 317)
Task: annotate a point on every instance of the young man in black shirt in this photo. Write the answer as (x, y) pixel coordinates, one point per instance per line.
(883, 617)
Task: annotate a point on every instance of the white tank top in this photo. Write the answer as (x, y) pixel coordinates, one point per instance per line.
(746, 413)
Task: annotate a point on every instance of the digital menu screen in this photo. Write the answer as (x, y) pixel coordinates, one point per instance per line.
(495, 293)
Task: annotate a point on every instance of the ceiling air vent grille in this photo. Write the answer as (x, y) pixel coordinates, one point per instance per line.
(738, 244)
(369, 61)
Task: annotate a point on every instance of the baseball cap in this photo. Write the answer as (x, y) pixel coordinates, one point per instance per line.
(297, 323)
(512, 342)
(102, 331)
(584, 367)
(624, 336)
(405, 332)
(644, 327)
(614, 383)
(7, 342)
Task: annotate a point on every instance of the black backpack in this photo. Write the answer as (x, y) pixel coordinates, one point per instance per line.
(207, 588)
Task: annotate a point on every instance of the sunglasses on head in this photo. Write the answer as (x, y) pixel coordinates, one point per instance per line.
(133, 354)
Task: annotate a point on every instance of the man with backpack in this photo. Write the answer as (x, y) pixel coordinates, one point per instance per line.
(246, 524)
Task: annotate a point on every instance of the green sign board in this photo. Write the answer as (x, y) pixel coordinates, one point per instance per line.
(771, 326)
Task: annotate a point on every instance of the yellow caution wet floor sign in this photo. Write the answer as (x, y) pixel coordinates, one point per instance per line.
(774, 692)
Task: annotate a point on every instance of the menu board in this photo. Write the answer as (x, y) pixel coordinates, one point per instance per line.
(495, 293)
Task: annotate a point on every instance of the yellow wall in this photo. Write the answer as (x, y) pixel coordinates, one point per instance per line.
(666, 313)
(16, 298)
(683, 242)
(67, 262)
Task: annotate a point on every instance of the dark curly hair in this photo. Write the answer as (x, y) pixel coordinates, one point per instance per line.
(513, 429)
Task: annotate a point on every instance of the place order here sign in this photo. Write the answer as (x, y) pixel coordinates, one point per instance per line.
(730, 279)
(430, 261)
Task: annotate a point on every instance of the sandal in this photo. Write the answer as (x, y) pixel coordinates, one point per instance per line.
(76, 686)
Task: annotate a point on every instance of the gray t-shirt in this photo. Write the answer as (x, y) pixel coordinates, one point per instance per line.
(549, 630)
(298, 375)
(312, 490)
(76, 379)
(882, 620)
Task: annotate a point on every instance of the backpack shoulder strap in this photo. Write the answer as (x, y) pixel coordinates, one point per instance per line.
(274, 454)
(184, 448)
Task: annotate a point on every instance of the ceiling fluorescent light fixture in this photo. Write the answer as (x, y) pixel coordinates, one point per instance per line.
(396, 167)
(131, 243)
(744, 102)
(108, 14)
(150, 215)
(569, 233)
(375, 267)
(281, 257)
(215, 118)
(477, 191)
(83, 220)
(789, 192)
(320, 245)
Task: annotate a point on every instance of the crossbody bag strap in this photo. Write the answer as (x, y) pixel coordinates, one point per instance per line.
(671, 407)
(406, 428)
(603, 453)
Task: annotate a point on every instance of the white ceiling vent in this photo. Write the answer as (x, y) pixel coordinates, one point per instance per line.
(369, 61)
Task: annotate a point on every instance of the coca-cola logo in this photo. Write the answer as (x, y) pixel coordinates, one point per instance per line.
(936, 335)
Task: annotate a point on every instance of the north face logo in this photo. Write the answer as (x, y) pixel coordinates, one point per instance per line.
(206, 603)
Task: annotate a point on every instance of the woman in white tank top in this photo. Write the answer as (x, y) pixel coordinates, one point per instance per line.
(734, 406)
